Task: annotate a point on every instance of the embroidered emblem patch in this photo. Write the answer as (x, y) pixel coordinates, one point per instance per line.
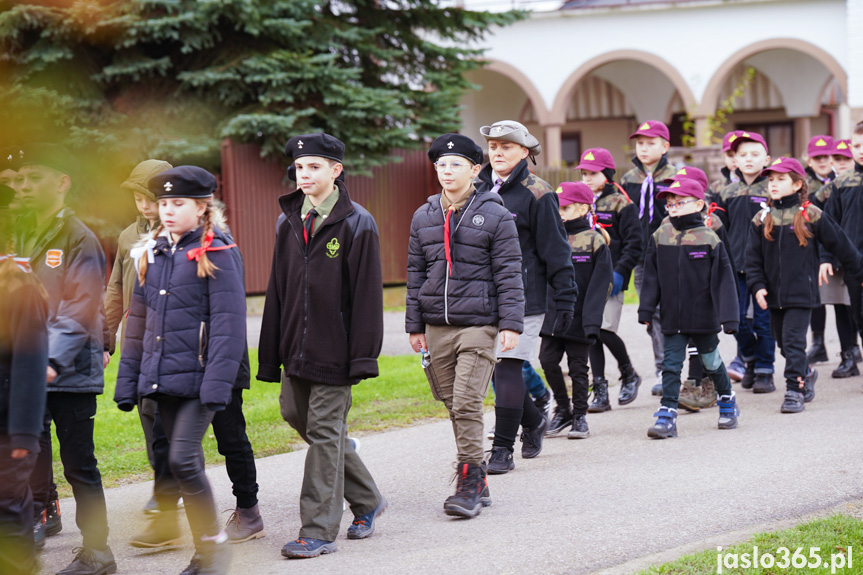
(589, 156)
(53, 258)
(820, 143)
(478, 220)
(645, 126)
(333, 248)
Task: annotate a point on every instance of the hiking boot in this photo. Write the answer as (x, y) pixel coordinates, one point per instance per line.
(600, 401)
(707, 398)
(491, 432)
(763, 383)
(52, 518)
(151, 507)
(471, 492)
(162, 531)
(579, 428)
(666, 424)
(793, 402)
(91, 562)
(629, 382)
(817, 353)
(561, 420)
(38, 534)
(244, 525)
(748, 379)
(500, 461)
(215, 555)
(809, 385)
(306, 547)
(689, 396)
(364, 525)
(728, 411)
(531, 439)
(848, 366)
(736, 369)
(543, 403)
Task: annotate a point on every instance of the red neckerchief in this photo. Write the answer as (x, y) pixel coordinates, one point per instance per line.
(447, 250)
(713, 207)
(622, 191)
(196, 253)
(22, 263)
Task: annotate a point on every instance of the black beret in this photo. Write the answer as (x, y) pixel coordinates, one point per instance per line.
(9, 158)
(455, 145)
(319, 144)
(183, 182)
(53, 156)
(7, 194)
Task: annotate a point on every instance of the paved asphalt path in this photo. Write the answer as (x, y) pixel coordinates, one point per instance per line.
(613, 503)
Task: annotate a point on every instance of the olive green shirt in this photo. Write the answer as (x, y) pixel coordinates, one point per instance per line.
(323, 209)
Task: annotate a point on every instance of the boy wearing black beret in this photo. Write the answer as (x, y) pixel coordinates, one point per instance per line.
(323, 323)
(464, 285)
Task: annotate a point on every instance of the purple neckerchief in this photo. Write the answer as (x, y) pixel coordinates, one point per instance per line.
(646, 195)
(497, 184)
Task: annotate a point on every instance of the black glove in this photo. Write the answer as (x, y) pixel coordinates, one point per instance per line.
(562, 321)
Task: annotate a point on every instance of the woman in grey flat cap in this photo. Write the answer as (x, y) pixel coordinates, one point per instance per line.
(546, 269)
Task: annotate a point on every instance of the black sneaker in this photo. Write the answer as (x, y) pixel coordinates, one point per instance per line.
(793, 402)
(763, 383)
(531, 439)
(748, 376)
(307, 547)
(561, 420)
(579, 428)
(809, 385)
(543, 403)
(629, 382)
(500, 461)
(91, 562)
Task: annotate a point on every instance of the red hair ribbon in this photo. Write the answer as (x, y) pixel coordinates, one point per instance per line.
(713, 207)
(22, 263)
(196, 253)
(805, 205)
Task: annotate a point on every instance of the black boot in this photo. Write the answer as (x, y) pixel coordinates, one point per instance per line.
(471, 492)
(817, 353)
(629, 382)
(600, 401)
(748, 376)
(857, 356)
(847, 367)
(562, 418)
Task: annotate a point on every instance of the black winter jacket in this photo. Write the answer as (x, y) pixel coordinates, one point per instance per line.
(688, 275)
(23, 359)
(787, 270)
(185, 335)
(632, 182)
(483, 287)
(846, 208)
(591, 261)
(544, 251)
(70, 263)
(714, 192)
(619, 216)
(740, 203)
(323, 316)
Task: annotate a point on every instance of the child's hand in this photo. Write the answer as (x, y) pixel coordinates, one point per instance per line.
(823, 272)
(418, 342)
(761, 297)
(508, 340)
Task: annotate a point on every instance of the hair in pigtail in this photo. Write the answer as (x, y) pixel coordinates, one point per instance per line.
(205, 266)
(801, 229)
(598, 227)
(142, 262)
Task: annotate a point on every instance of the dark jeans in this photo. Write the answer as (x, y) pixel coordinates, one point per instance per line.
(16, 512)
(551, 352)
(754, 338)
(186, 421)
(229, 427)
(672, 364)
(73, 416)
(789, 329)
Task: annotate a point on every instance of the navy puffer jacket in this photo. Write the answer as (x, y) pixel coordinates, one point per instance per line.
(185, 335)
(484, 286)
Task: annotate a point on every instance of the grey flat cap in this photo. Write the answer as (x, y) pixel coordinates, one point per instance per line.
(512, 131)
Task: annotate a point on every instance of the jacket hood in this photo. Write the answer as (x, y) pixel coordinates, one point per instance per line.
(219, 222)
(141, 174)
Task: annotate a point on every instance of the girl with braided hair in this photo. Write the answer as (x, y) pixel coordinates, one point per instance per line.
(185, 340)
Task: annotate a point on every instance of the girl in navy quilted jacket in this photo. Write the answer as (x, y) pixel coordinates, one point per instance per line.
(185, 340)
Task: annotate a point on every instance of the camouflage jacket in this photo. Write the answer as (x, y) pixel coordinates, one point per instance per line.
(716, 187)
(632, 182)
(787, 270)
(741, 201)
(619, 216)
(846, 208)
(591, 262)
(688, 275)
(819, 190)
(544, 251)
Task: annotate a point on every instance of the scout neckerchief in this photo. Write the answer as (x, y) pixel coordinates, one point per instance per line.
(646, 195)
(196, 253)
(22, 263)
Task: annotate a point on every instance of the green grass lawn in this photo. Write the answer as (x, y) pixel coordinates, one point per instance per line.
(399, 397)
(837, 538)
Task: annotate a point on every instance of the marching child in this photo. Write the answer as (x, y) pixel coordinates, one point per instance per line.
(617, 216)
(464, 286)
(688, 275)
(729, 175)
(842, 158)
(594, 275)
(185, 338)
(781, 262)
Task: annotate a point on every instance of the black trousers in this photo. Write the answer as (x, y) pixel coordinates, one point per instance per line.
(845, 325)
(789, 326)
(551, 352)
(186, 420)
(73, 417)
(229, 427)
(16, 512)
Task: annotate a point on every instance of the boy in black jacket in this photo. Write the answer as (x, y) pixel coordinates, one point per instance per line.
(688, 275)
(323, 321)
(464, 284)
